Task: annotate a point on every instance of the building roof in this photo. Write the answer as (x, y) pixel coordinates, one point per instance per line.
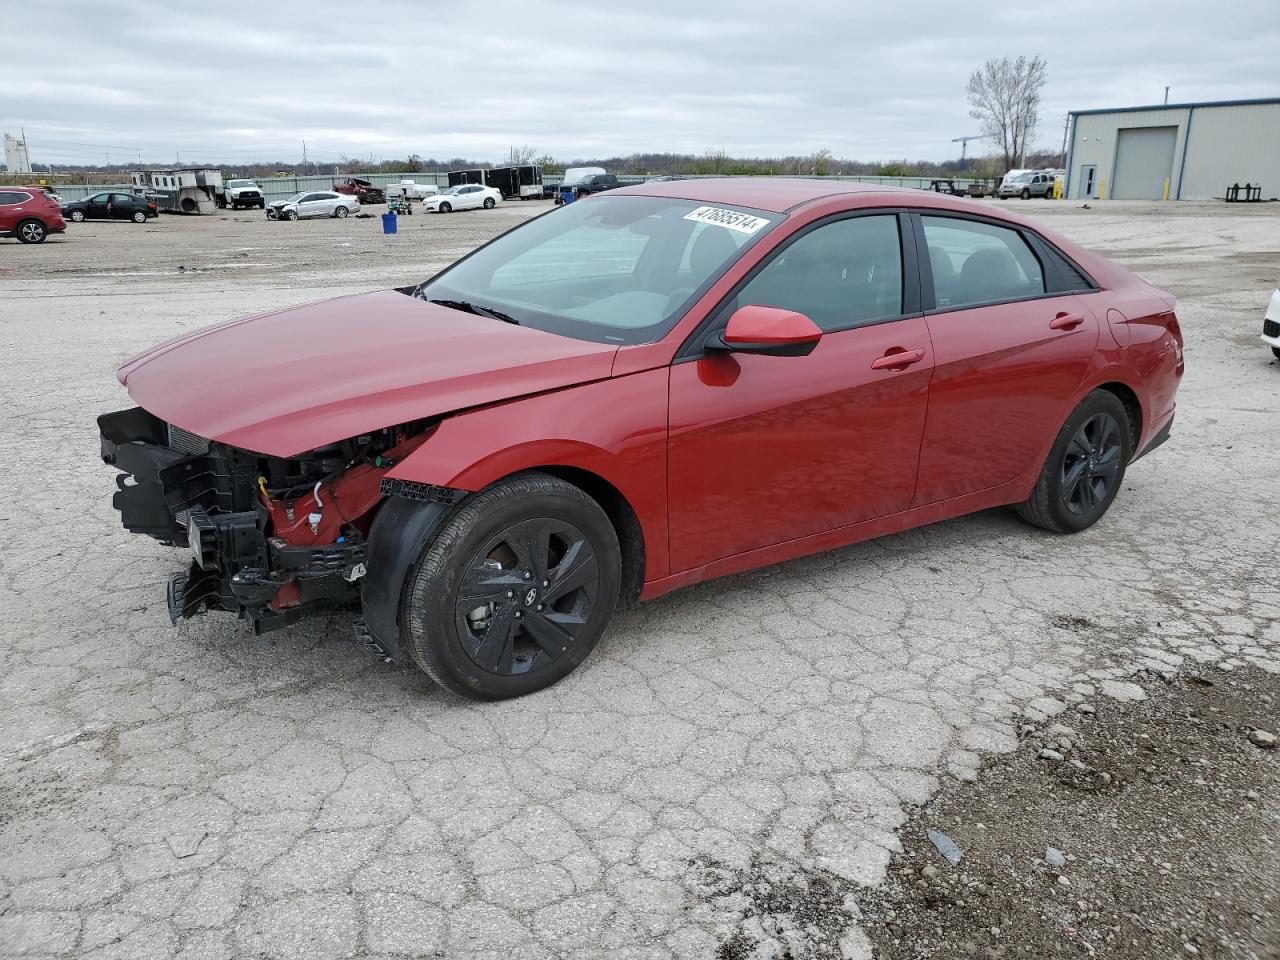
(1179, 106)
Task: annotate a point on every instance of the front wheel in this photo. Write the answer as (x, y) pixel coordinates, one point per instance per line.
(488, 203)
(1025, 194)
(1275, 351)
(1085, 467)
(291, 215)
(31, 231)
(341, 212)
(515, 590)
(77, 216)
(445, 207)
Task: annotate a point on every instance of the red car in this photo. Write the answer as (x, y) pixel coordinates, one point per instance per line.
(649, 388)
(29, 214)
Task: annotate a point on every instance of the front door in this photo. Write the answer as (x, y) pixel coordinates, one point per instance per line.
(1088, 180)
(1007, 355)
(767, 449)
(98, 207)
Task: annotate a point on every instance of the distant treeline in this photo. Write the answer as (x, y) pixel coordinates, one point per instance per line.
(712, 162)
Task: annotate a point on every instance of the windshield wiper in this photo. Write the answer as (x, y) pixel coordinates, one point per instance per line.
(480, 311)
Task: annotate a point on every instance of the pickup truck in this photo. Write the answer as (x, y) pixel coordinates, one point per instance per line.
(242, 193)
(581, 187)
(363, 190)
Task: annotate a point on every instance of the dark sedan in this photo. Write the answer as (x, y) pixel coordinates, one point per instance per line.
(111, 206)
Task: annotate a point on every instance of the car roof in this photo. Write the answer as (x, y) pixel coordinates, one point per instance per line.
(774, 194)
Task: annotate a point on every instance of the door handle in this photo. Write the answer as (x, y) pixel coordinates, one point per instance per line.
(1066, 321)
(898, 359)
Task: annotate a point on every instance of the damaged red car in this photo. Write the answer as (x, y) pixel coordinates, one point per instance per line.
(637, 392)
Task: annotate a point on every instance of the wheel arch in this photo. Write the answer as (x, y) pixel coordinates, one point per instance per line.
(1128, 397)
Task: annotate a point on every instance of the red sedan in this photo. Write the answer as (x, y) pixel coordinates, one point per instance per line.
(646, 389)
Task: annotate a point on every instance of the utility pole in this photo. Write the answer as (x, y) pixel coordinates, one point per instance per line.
(964, 143)
(1066, 124)
(1166, 94)
(304, 157)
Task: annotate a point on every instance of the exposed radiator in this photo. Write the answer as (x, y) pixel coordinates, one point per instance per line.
(186, 441)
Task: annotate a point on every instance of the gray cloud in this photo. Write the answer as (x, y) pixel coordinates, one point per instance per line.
(237, 81)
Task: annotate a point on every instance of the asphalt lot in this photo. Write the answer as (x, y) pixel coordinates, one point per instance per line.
(194, 792)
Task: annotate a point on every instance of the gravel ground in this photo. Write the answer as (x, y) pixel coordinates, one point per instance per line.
(722, 777)
(1131, 830)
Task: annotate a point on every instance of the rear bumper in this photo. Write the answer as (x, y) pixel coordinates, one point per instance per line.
(205, 503)
(1157, 438)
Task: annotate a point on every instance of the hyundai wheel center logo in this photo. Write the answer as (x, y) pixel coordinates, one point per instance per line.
(529, 597)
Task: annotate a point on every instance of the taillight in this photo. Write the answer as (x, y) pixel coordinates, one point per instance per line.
(1170, 321)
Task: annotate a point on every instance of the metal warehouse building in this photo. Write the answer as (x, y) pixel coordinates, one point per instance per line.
(1182, 151)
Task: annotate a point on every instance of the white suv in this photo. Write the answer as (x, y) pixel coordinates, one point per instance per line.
(1271, 324)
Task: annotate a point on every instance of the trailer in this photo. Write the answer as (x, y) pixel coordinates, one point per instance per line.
(181, 189)
(411, 190)
(522, 182)
(458, 178)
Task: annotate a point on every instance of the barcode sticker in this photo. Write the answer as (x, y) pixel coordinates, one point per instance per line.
(732, 219)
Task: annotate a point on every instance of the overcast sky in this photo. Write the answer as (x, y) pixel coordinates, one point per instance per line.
(233, 81)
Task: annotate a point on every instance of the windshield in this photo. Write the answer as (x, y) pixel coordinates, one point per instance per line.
(613, 269)
(241, 183)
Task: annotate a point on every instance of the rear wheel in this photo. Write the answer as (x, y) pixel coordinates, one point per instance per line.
(31, 231)
(1085, 468)
(1276, 352)
(77, 216)
(138, 216)
(341, 212)
(488, 203)
(514, 591)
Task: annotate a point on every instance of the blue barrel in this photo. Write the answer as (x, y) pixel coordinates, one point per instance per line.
(568, 194)
(388, 223)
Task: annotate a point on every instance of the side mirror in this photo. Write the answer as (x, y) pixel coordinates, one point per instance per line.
(768, 330)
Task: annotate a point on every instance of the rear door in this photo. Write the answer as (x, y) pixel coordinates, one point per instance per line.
(1009, 351)
(123, 205)
(767, 449)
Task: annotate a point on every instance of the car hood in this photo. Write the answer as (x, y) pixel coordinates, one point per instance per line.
(296, 379)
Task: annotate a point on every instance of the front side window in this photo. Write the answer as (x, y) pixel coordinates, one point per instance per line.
(975, 262)
(100, 198)
(840, 275)
(618, 269)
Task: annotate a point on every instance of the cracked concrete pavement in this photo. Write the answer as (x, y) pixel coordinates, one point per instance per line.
(193, 792)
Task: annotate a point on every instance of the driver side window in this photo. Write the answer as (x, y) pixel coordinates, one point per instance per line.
(843, 274)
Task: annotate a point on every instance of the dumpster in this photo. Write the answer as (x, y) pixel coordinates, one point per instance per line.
(388, 223)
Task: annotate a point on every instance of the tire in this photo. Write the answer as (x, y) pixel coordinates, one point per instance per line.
(446, 207)
(489, 203)
(291, 215)
(1092, 449)
(341, 212)
(31, 231)
(139, 216)
(1275, 351)
(448, 638)
(77, 216)
(1025, 194)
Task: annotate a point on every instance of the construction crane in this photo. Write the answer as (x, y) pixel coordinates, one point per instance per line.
(964, 143)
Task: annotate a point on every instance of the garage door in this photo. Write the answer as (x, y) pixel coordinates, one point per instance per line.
(1144, 158)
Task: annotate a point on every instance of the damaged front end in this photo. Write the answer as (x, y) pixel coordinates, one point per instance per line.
(269, 537)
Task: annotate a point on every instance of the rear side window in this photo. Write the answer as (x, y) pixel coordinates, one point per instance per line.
(840, 275)
(1064, 276)
(974, 262)
(10, 199)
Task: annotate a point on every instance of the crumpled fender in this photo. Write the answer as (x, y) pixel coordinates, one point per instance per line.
(615, 429)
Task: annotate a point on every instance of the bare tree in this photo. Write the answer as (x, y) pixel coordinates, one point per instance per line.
(519, 156)
(716, 159)
(822, 162)
(1005, 96)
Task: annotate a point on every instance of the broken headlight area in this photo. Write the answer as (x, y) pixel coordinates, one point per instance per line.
(268, 537)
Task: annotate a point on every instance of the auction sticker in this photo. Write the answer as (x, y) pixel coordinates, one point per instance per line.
(742, 222)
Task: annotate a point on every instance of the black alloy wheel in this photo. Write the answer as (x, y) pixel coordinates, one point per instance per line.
(1085, 467)
(445, 207)
(514, 590)
(488, 203)
(526, 596)
(1091, 464)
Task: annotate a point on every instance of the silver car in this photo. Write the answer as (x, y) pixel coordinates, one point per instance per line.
(318, 203)
(1026, 185)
